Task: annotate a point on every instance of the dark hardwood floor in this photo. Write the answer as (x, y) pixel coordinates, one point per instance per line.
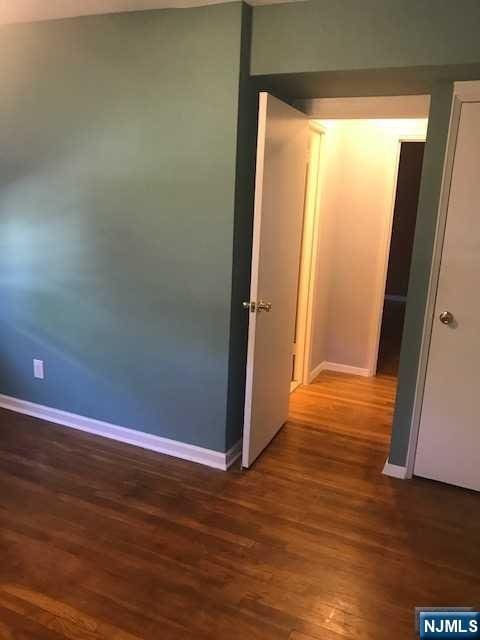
(100, 540)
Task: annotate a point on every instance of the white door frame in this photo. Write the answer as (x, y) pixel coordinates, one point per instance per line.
(386, 243)
(463, 92)
(308, 260)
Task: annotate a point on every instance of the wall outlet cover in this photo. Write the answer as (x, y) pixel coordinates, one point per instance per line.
(38, 371)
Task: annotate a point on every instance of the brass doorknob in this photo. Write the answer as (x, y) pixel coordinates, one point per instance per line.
(264, 306)
(257, 306)
(446, 317)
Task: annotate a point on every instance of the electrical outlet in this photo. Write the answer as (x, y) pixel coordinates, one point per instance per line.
(38, 371)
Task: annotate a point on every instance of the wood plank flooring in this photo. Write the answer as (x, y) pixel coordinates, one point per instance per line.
(100, 540)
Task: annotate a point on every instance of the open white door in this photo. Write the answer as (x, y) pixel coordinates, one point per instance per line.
(279, 199)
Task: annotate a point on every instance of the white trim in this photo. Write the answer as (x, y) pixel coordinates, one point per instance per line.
(294, 384)
(308, 258)
(232, 455)
(340, 368)
(413, 138)
(367, 107)
(462, 92)
(315, 372)
(468, 91)
(310, 312)
(395, 471)
(346, 368)
(174, 448)
(316, 126)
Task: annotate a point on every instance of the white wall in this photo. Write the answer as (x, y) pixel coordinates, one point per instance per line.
(358, 169)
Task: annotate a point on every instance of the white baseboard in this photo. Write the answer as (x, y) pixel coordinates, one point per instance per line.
(315, 372)
(341, 368)
(294, 384)
(395, 471)
(233, 454)
(346, 368)
(174, 448)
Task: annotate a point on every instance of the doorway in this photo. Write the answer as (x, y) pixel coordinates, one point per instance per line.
(401, 247)
(331, 211)
(357, 245)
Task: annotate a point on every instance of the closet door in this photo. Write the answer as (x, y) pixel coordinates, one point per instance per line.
(449, 435)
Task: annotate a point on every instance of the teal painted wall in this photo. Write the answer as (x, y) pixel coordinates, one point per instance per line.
(118, 143)
(321, 35)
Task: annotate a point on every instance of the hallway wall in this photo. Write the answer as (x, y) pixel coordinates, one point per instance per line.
(358, 176)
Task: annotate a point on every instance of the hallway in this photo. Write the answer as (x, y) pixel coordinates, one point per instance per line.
(102, 540)
(348, 405)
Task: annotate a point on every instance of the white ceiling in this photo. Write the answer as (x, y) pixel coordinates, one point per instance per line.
(32, 10)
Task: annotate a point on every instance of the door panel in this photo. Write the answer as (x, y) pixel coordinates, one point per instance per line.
(279, 198)
(449, 435)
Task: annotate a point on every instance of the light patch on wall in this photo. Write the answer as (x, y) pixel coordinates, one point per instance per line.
(37, 10)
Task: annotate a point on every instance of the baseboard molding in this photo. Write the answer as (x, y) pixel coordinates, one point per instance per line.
(233, 454)
(174, 448)
(395, 471)
(315, 372)
(340, 368)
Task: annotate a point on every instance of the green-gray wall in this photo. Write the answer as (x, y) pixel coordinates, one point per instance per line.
(118, 144)
(326, 35)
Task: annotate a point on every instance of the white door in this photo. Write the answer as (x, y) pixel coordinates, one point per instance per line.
(449, 435)
(279, 198)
